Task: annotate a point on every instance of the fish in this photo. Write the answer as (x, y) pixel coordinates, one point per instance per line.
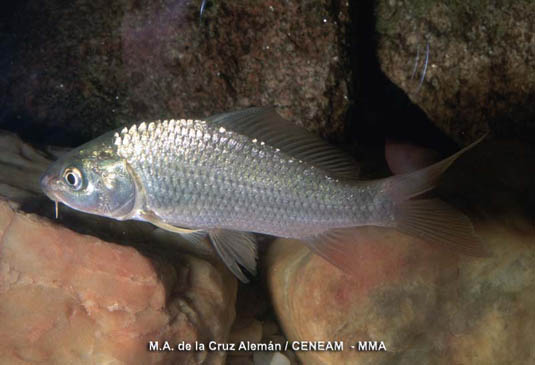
(233, 175)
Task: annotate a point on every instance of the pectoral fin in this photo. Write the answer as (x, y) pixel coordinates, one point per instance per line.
(236, 249)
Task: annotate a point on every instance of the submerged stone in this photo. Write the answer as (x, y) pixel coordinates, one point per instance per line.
(72, 298)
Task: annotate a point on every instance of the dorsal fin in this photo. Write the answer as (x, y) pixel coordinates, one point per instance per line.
(266, 125)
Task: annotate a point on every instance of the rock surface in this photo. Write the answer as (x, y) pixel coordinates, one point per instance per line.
(255, 325)
(270, 358)
(86, 67)
(71, 298)
(480, 67)
(426, 304)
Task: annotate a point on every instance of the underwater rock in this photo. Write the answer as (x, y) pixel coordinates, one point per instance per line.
(83, 68)
(426, 304)
(270, 358)
(246, 330)
(72, 298)
(21, 165)
(254, 325)
(479, 72)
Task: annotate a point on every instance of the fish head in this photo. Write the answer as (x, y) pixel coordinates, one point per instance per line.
(92, 179)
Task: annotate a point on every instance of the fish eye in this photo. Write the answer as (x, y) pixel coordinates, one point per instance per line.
(73, 178)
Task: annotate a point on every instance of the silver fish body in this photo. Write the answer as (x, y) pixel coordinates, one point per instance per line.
(202, 176)
(248, 171)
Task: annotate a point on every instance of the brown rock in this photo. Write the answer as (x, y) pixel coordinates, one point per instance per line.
(479, 73)
(246, 331)
(21, 166)
(270, 328)
(430, 309)
(270, 358)
(86, 67)
(426, 304)
(71, 298)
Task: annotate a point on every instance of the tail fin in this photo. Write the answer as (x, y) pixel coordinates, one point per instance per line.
(431, 220)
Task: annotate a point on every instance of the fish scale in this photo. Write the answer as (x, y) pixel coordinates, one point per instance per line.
(211, 173)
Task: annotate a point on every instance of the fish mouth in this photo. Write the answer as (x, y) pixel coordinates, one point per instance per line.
(47, 182)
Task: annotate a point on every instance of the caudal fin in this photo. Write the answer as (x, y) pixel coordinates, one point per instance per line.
(431, 220)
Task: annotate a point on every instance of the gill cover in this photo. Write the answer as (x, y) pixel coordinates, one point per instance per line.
(92, 179)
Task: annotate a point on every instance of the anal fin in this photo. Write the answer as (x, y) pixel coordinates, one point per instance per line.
(351, 249)
(434, 221)
(362, 251)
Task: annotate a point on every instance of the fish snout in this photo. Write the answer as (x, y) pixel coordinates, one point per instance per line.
(47, 181)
